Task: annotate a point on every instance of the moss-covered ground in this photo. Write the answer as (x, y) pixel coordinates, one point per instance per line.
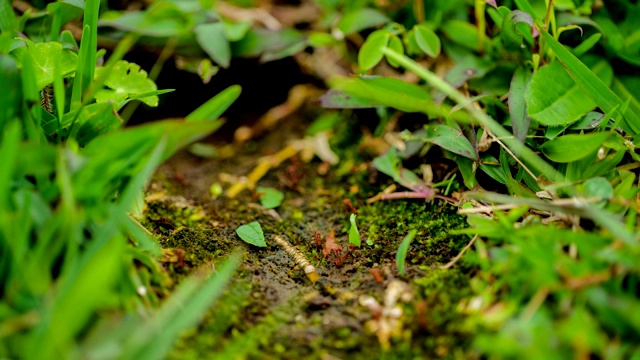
(271, 310)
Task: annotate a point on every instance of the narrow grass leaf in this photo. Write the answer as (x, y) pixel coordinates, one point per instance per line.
(214, 107)
(520, 120)
(183, 310)
(251, 233)
(354, 235)
(401, 255)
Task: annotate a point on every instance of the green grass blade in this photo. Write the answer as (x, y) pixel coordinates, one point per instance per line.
(401, 255)
(213, 108)
(8, 21)
(183, 310)
(600, 93)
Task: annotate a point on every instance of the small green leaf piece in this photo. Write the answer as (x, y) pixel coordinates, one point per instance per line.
(427, 40)
(401, 255)
(270, 198)
(252, 233)
(354, 235)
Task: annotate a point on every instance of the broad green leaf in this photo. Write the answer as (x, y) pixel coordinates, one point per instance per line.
(573, 147)
(214, 107)
(43, 55)
(370, 53)
(520, 120)
(595, 88)
(270, 198)
(125, 80)
(354, 235)
(562, 101)
(462, 33)
(427, 40)
(335, 99)
(251, 233)
(401, 255)
(450, 139)
(358, 20)
(213, 41)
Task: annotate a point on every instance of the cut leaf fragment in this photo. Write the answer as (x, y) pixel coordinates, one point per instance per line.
(251, 233)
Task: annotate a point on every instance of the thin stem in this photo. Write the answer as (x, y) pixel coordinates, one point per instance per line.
(485, 120)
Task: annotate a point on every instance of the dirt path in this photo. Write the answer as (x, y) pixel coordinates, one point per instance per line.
(359, 308)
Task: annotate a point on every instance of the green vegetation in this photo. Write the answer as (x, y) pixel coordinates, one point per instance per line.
(511, 126)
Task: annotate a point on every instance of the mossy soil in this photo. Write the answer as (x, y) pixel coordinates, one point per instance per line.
(271, 310)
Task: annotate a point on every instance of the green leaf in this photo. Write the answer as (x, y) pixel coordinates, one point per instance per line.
(252, 233)
(358, 20)
(43, 55)
(9, 79)
(562, 101)
(214, 107)
(396, 44)
(389, 164)
(270, 198)
(401, 255)
(595, 88)
(427, 40)
(450, 139)
(382, 91)
(213, 41)
(510, 33)
(126, 80)
(520, 120)
(598, 187)
(371, 51)
(234, 31)
(183, 310)
(8, 21)
(354, 235)
(93, 120)
(573, 147)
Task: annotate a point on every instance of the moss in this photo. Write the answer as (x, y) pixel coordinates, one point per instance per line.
(273, 311)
